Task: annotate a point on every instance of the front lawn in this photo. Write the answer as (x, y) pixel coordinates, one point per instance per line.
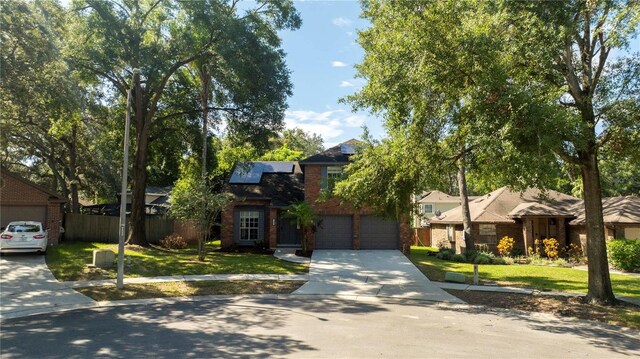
(68, 261)
(544, 278)
(188, 289)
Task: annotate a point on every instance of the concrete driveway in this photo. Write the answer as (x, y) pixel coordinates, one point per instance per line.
(28, 287)
(369, 273)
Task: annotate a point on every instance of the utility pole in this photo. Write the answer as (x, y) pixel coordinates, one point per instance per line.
(123, 193)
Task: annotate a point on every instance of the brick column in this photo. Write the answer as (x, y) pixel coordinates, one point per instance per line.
(405, 235)
(527, 234)
(561, 232)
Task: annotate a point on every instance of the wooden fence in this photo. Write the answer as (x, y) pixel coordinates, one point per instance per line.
(92, 228)
(422, 236)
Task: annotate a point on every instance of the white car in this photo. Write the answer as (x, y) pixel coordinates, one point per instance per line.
(23, 236)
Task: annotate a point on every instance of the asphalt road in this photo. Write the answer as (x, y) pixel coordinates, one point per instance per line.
(310, 327)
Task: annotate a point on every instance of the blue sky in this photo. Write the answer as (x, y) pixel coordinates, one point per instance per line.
(321, 56)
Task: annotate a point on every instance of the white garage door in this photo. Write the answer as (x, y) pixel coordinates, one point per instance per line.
(23, 213)
(334, 232)
(378, 233)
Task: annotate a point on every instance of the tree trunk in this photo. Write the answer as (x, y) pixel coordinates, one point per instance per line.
(73, 176)
(600, 290)
(137, 234)
(464, 201)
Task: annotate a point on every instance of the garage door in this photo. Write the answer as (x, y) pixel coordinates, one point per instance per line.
(378, 233)
(334, 232)
(23, 213)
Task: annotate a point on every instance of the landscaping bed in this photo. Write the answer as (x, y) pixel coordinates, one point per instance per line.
(623, 314)
(543, 278)
(188, 289)
(68, 262)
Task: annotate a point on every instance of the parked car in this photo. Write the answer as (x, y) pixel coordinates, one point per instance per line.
(23, 236)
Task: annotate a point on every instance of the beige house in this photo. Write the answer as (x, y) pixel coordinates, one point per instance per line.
(524, 216)
(621, 217)
(431, 204)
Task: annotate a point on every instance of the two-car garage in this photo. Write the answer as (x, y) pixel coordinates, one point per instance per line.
(336, 232)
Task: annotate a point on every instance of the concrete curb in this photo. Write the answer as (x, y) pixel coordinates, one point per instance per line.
(188, 278)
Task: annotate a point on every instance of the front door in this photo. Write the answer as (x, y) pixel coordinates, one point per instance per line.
(288, 233)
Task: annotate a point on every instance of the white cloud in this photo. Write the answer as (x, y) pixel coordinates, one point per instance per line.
(346, 84)
(328, 124)
(341, 21)
(338, 64)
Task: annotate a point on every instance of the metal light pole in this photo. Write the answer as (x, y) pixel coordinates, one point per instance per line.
(123, 196)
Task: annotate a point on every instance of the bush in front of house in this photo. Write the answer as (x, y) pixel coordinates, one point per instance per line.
(551, 248)
(173, 241)
(505, 246)
(445, 254)
(459, 258)
(624, 254)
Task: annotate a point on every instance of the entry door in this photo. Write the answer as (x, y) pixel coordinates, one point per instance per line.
(288, 233)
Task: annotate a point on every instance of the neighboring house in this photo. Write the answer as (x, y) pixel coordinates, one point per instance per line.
(621, 217)
(431, 204)
(262, 196)
(157, 202)
(23, 200)
(524, 216)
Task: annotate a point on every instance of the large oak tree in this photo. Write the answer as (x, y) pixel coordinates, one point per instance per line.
(159, 37)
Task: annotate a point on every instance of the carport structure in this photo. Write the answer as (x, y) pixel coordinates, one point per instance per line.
(23, 200)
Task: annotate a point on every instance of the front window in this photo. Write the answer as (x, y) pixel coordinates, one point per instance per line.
(427, 208)
(450, 233)
(334, 174)
(249, 225)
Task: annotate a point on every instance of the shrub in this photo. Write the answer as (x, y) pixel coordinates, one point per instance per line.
(471, 255)
(173, 241)
(501, 260)
(445, 254)
(508, 260)
(551, 248)
(458, 258)
(624, 254)
(505, 246)
(574, 253)
(482, 258)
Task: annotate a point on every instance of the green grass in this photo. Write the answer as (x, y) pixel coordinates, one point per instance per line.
(184, 289)
(544, 278)
(68, 261)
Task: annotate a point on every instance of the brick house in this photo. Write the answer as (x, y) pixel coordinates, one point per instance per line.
(23, 200)
(264, 190)
(621, 217)
(524, 216)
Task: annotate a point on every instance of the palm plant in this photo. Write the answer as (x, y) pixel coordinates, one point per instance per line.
(304, 217)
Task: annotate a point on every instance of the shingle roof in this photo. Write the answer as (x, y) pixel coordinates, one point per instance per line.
(282, 189)
(503, 204)
(615, 210)
(438, 197)
(331, 155)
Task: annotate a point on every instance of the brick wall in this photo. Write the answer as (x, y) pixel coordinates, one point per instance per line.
(226, 232)
(333, 206)
(16, 192)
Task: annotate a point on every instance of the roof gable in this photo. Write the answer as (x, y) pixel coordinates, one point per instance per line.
(52, 195)
(336, 154)
(503, 205)
(623, 210)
